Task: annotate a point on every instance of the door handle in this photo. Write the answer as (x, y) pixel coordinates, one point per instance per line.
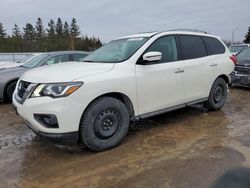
(213, 65)
(179, 71)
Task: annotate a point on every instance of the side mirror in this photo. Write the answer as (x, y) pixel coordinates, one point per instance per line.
(152, 56)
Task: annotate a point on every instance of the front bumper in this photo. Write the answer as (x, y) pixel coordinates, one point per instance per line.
(62, 138)
(67, 110)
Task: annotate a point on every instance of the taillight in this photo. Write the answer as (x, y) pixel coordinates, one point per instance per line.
(234, 59)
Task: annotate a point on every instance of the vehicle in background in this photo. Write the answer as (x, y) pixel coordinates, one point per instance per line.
(128, 79)
(9, 77)
(236, 48)
(14, 56)
(241, 74)
(5, 65)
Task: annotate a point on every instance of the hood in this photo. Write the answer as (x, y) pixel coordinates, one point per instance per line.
(65, 72)
(243, 62)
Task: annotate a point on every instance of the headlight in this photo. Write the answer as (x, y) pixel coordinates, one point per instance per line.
(56, 90)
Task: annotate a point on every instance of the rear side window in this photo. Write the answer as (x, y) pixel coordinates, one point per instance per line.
(57, 59)
(79, 57)
(214, 46)
(192, 47)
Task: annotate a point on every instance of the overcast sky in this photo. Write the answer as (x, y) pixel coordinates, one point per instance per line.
(109, 19)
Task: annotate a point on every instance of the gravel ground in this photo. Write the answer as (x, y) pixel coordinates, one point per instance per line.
(186, 148)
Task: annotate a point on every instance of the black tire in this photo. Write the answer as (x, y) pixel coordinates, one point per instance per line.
(104, 124)
(217, 96)
(10, 90)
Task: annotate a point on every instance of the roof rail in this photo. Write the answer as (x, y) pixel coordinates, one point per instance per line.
(148, 32)
(192, 30)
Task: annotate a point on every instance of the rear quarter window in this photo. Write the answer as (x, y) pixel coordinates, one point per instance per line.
(192, 47)
(214, 46)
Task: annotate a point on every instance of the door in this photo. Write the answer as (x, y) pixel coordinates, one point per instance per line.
(161, 85)
(198, 70)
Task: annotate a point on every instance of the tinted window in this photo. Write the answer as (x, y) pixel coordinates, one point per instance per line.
(192, 47)
(214, 46)
(167, 46)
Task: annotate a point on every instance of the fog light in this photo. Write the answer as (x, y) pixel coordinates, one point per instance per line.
(47, 120)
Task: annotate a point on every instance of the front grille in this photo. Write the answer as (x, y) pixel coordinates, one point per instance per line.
(24, 89)
(242, 70)
(21, 88)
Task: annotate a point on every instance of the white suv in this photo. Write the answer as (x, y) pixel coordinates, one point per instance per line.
(131, 78)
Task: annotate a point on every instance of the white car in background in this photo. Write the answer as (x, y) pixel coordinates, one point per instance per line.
(8, 64)
(236, 48)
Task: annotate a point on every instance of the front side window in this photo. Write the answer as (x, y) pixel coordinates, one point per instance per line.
(192, 47)
(57, 59)
(117, 50)
(167, 46)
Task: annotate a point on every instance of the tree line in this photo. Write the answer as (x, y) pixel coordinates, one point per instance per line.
(247, 36)
(56, 36)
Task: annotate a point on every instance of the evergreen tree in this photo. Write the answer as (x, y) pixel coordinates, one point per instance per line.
(74, 28)
(40, 32)
(51, 29)
(29, 38)
(16, 39)
(29, 32)
(55, 37)
(2, 31)
(66, 30)
(247, 36)
(59, 28)
(16, 32)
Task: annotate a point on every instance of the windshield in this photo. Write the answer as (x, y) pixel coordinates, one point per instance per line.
(34, 61)
(237, 48)
(25, 59)
(245, 54)
(116, 51)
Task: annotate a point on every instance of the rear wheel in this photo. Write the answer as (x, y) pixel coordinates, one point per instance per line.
(217, 96)
(104, 124)
(10, 90)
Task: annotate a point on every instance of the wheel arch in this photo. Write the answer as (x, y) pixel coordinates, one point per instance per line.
(224, 77)
(6, 86)
(121, 97)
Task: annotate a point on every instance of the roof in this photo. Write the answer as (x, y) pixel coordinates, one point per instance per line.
(242, 44)
(175, 31)
(64, 52)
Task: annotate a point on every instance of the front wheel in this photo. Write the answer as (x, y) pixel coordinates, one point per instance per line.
(217, 96)
(104, 124)
(10, 90)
